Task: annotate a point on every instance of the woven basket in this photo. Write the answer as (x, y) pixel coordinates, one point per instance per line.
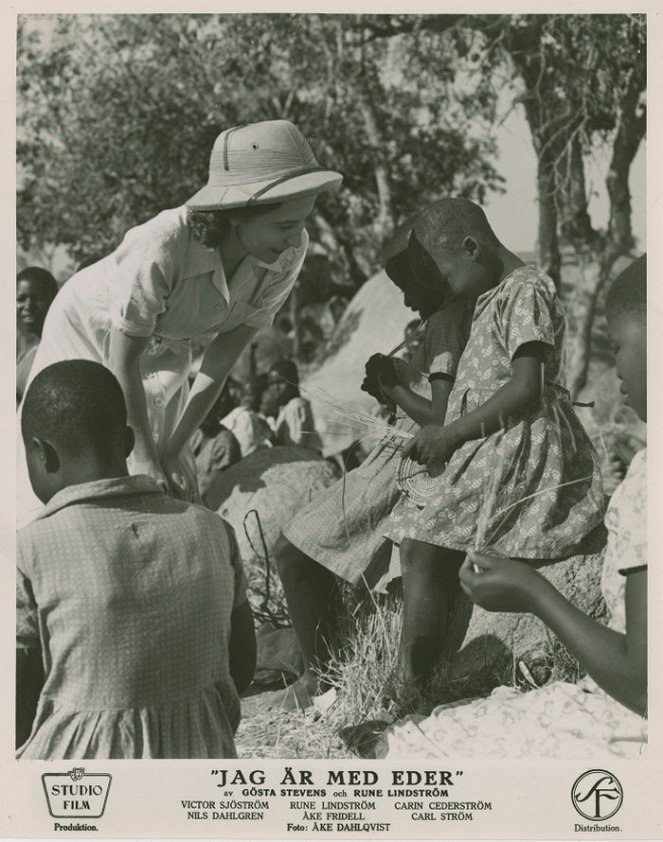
(415, 481)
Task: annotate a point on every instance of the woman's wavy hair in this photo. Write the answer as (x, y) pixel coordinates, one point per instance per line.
(210, 226)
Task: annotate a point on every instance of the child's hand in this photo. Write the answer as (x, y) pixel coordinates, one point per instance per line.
(374, 366)
(433, 447)
(387, 377)
(499, 584)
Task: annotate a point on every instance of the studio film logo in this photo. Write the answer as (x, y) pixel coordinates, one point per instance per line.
(597, 795)
(76, 794)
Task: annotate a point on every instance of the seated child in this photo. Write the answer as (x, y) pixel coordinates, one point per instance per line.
(294, 424)
(245, 421)
(134, 636)
(339, 535)
(513, 468)
(602, 716)
(214, 446)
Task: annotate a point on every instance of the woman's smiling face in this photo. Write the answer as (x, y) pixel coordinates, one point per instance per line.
(268, 235)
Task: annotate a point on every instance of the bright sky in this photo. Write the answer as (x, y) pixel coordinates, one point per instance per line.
(514, 214)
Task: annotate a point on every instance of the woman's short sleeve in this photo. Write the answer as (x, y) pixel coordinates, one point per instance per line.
(145, 268)
(27, 622)
(527, 315)
(445, 339)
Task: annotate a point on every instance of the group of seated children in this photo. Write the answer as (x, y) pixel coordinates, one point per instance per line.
(134, 634)
(265, 410)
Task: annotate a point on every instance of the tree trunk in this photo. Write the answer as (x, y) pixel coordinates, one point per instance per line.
(385, 218)
(587, 243)
(548, 256)
(595, 255)
(631, 127)
(581, 312)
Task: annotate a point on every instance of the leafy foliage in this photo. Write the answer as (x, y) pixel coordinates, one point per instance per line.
(117, 115)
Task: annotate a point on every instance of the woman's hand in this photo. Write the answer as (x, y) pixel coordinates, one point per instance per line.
(433, 447)
(500, 584)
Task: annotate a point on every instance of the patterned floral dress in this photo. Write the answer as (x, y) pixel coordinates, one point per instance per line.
(561, 720)
(532, 489)
(343, 527)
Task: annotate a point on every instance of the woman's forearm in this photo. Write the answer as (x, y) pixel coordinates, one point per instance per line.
(124, 362)
(204, 392)
(220, 356)
(615, 661)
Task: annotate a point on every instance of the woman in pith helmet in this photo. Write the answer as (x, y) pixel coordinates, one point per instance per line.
(215, 271)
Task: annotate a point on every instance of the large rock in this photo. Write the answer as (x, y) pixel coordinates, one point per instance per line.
(258, 496)
(491, 646)
(374, 321)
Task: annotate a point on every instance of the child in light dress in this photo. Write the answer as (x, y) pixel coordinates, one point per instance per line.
(294, 423)
(134, 636)
(214, 446)
(339, 535)
(603, 715)
(513, 469)
(244, 420)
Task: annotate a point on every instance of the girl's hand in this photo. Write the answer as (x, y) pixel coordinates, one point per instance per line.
(387, 377)
(379, 371)
(499, 584)
(433, 447)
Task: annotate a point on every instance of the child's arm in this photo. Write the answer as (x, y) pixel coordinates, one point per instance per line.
(29, 683)
(242, 649)
(617, 662)
(433, 445)
(420, 409)
(29, 665)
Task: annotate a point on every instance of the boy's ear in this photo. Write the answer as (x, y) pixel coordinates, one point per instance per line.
(47, 455)
(472, 247)
(129, 441)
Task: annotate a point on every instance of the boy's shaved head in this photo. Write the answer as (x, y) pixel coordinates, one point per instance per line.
(441, 227)
(76, 404)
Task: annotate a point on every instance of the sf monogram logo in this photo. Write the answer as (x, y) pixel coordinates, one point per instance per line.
(597, 795)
